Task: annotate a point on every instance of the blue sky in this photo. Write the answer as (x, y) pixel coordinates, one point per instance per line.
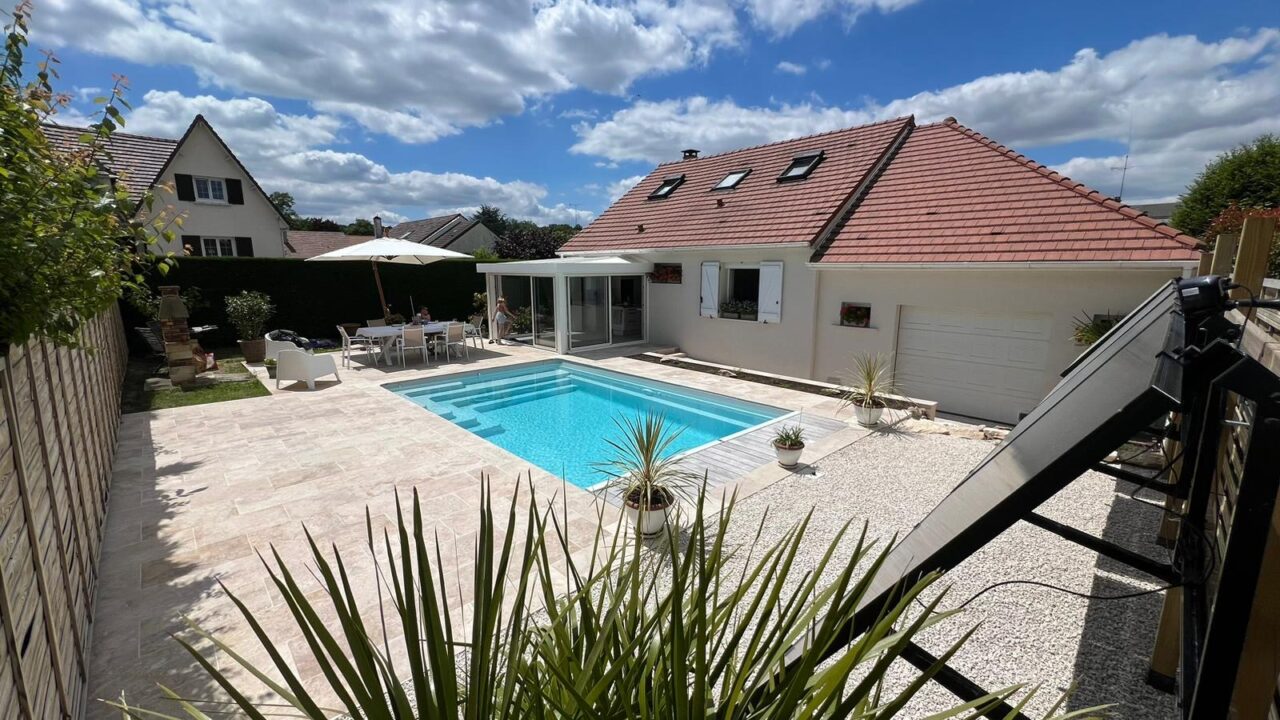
(549, 110)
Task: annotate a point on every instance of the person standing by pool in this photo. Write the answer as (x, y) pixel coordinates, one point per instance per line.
(501, 322)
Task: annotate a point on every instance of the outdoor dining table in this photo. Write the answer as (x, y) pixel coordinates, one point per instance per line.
(386, 334)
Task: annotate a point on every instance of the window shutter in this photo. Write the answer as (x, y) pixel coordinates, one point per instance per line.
(770, 293)
(186, 188)
(235, 192)
(193, 242)
(244, 247)
(710, 303)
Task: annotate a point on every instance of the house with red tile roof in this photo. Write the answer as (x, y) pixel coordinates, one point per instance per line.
(968, 263)
(225, 212)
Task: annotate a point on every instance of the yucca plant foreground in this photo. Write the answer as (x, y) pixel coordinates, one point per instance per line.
(659, 630)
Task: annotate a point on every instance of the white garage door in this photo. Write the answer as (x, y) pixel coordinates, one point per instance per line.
(981, 364)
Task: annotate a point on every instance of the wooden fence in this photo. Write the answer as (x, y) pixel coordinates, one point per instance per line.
(58, 422)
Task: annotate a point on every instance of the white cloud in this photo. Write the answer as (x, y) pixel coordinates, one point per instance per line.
(784, 16)
(416, 71)
(291, 153)
(791, 68)
(823, 64)
(618, 188)
(1188, 101)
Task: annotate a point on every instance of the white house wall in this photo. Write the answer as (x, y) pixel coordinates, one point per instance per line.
(1059, 295)
(785, 347)
(203, 155)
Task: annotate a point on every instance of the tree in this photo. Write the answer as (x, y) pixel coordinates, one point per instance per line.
(284, 203)
(73, 240)
(360, 227)
(319, 223)
(494, 219)
(1248, 176)
(527, 241)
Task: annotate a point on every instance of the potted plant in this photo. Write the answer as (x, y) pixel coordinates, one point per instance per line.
(729, 309)
(645, 473)
(248, 313)
(270, 364)
(747, 310)
(788, 443)
(870, 379)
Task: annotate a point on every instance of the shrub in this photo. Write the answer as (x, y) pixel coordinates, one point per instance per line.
(1248, 175)
(248, 312)
(72, 242)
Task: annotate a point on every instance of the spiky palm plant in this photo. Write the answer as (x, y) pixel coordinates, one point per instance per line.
(699, 629)
(869, 380)
(642, 467)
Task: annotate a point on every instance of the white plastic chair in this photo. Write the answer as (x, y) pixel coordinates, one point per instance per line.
(412, 338)
(274, 347)
(296, 365)
(358, 343)
(454, 335)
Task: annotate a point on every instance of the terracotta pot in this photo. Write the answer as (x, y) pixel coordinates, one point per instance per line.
(649, 523)
(788, 457)
(254, 350)
(867, 416)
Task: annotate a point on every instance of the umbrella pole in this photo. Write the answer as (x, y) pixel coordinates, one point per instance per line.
(382, 299)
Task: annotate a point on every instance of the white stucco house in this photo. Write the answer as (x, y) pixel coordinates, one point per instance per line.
(225, 211)
(965, 261)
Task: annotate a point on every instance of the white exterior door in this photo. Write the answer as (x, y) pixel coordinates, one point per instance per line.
(981, 364)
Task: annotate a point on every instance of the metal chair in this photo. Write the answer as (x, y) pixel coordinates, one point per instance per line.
(412, 338)
(454, 335)
(351, 344)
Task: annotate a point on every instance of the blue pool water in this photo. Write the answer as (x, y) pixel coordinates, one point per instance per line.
(558, 414)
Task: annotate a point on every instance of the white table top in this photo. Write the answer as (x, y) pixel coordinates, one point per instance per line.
(394, 330)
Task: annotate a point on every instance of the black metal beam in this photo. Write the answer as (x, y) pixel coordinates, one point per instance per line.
(1161, 571)
(1133, 477)
(959, 685)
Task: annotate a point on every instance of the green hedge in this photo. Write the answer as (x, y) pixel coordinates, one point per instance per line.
(311, 298)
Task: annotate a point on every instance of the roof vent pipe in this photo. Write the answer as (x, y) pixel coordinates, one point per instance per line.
(690, 154)
(377, 227)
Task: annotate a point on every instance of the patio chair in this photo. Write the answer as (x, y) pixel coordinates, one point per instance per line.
(375, 323)
(298, 366)
(473, 331)
(454, 335)
(412, 338)
(274, 347)
(352, 344)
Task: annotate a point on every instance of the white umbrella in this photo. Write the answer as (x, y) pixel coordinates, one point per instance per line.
(389, 250)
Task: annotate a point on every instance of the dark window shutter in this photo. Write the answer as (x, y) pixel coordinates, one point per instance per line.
(186, 188)
(235, 192)
(193, 242)
(244, 247)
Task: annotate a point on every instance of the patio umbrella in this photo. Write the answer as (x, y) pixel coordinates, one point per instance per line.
(382, 250)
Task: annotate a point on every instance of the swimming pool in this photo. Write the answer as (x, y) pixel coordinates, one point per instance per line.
(558, 414)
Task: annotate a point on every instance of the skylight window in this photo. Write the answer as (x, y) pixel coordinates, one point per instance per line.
(667, 187)
(731, 180)
(801, 166)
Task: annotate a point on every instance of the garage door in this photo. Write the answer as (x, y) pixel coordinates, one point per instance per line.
(981, 364)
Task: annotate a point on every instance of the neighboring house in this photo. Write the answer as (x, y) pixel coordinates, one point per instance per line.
(962, 259)
(451, 232)
(1160, 212)
(225, 212)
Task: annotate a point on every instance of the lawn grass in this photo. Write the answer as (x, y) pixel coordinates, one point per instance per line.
(137, 398)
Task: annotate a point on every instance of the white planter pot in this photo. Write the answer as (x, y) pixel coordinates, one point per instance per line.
(648, 523)
(867, 416)
(788, 457)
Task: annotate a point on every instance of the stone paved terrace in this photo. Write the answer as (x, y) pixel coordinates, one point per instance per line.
(199, 490)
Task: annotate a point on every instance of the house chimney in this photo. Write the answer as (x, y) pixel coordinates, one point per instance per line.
(690, 154)
(377, 227)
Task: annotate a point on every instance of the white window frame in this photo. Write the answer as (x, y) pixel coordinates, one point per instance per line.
(209, 185)
(217, 244)
(725, 288)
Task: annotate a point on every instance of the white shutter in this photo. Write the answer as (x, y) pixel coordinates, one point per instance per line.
(710, 302)
(770, 310)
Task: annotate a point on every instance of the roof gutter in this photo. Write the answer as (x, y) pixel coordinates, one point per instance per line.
(1022, 265)
(696, 248)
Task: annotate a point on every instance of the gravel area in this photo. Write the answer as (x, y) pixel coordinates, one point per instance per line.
(1026, 634)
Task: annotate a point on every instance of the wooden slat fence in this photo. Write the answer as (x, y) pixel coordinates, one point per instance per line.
(58, 422)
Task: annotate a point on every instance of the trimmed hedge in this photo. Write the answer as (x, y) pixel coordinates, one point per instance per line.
(312, 298)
